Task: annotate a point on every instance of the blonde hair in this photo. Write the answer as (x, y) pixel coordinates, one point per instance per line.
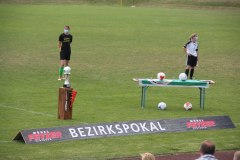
(147, 156)
(192, 35)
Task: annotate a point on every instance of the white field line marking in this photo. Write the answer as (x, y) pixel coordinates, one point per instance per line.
(33, 112)
(5, 141)
(29, 111)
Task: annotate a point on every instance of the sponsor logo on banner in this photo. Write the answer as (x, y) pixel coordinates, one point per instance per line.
(123, 129)
(200, 124)
(41, 136)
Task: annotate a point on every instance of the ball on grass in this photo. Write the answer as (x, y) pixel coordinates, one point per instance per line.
(162, 106)
(187, 106)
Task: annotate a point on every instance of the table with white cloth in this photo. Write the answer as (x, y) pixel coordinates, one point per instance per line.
(145, 83)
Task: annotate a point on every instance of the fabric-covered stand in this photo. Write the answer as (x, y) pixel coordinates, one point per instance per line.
(201, 84)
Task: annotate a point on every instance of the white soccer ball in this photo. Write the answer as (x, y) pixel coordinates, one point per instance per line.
(67, 70)
(187, 106)
(161, 75)
(162, 106)
(183, 76)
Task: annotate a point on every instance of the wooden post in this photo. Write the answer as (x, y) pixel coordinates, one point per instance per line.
(64, 109)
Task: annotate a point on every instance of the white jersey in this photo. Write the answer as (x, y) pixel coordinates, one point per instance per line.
(207, 157)
(192, 48)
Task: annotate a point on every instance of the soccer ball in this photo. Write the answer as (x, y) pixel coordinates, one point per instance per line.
(161, 75)
(187, 106)
(67, 70)
(183, 76)
(162, 106)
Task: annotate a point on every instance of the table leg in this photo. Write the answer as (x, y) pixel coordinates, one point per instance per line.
(202, 97)
(143, 98)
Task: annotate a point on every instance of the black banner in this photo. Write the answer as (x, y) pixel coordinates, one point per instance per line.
(123, 128)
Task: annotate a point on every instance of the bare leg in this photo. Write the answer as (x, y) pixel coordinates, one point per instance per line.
(62, 63)
(66, 62)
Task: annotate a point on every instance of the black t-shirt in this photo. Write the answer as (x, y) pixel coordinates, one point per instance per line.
(66, 40)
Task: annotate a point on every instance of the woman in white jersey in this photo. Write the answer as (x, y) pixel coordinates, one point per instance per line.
(191, 50)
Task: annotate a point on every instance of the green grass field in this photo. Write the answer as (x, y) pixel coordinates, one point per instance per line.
(111, 45)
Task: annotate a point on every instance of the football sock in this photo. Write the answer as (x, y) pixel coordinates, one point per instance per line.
(191, 73)
(61, 71)
(187, 71)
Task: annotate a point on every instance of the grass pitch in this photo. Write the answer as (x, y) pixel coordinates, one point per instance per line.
(111, 45)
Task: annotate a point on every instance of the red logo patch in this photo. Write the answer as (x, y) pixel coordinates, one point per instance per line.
(200, 124)
(44, 136)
